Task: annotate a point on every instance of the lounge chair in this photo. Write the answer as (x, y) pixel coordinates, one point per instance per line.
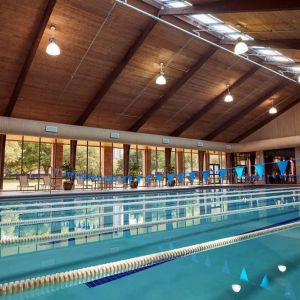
(80, 182)
(24, 183)
(48, 183)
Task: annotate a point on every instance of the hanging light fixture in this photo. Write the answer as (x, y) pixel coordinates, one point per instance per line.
(298, 78)
(240, 47)
(161, 79)
(273, 109)
(228, 98)
(52, 48)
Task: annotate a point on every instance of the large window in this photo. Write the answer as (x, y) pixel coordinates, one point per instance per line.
(118, 161)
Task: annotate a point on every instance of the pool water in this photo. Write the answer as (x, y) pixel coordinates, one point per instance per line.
(143, 223)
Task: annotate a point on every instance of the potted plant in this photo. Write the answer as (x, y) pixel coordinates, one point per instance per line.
(170, 169)
(68, 174)
(134, 172)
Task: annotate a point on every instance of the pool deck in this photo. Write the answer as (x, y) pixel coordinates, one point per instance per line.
(16, 194)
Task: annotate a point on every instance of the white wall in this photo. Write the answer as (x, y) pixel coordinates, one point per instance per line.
(287, 124)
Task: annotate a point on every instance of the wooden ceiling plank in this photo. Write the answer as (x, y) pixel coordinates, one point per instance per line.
(173, 89)
(178, 131)
(264, 122)
(233, 6)
(245, 111)
(29, 59)
(115, 73)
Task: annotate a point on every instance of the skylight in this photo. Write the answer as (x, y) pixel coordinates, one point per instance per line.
(295, 69)
(280, 58)
(223, 28)
(223, 31)
(268, 51)
(178, 4)
(206, 19)
(244, 37)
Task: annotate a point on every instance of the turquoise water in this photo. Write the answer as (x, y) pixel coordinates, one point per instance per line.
(203, 216)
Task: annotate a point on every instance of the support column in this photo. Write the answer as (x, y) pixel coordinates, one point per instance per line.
(229, 166)
(107, 161)
(56, 163)
(180, 162)
(168, 156)
(201, 155)
(2, 157)
(126, 150)
(147, 170)
(259, 159)
(73, 146)
(297, 163)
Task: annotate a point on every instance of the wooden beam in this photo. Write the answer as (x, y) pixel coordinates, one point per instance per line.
(115, 73)
(245, 111)
(273, 43)
(178, 131)
(30, 56)
(178, 84)
(264, 122)
(233, 6)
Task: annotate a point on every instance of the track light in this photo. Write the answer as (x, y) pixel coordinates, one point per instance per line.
(240, 47)
(161, 79)
(273, 109)
(52, 48)
(228, 98)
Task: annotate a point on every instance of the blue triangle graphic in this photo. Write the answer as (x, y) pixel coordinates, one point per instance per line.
(225, 268)
(282, 166)
(244, 275)
(265, 282)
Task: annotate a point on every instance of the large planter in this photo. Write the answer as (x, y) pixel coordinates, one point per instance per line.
(134, 184)
(68, 185)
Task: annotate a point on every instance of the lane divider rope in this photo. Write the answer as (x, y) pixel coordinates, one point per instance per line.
(89, 232)
(113, 268)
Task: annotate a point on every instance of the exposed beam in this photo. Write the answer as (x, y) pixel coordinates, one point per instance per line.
(178, 131)
(30, 56)
(115, 73)
(233, 6)
(273, 43)
(244, 111)
(264, 122)
(173, 89)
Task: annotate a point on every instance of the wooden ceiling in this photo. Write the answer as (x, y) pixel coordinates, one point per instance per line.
(110, 56)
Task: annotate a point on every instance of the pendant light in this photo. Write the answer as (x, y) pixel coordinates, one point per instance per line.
(228, 98)
(161, 79)
(240, 47)
(52, 48)
(273, 109)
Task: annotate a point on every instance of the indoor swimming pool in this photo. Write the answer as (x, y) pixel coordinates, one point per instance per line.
(50, 236)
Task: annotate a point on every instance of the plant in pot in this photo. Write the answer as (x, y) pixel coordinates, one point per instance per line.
(170, 169)
(134, 172)
(68, 174)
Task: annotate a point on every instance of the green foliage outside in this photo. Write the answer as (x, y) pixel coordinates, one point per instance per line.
(13, 157)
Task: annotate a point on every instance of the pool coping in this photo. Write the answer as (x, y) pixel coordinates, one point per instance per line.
(12, 195)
